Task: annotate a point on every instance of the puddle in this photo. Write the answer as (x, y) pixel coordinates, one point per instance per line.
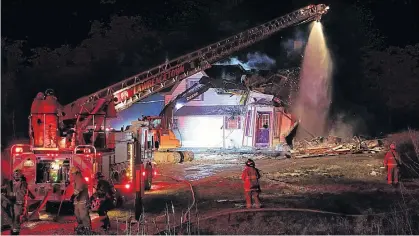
(206, 170)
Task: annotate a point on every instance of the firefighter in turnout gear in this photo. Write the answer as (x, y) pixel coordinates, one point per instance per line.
(392, 163)
(17, 193)
(106, 196)
(37, 120)
(250, 177)
(81, 202)
(52, 110)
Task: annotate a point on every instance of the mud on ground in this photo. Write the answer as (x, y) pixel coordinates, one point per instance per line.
(350, 184)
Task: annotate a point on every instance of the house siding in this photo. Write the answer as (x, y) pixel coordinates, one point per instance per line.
(207, 132)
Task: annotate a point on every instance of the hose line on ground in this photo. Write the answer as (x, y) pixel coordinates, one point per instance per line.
(41, 205)
(192, 192)
(61, 203)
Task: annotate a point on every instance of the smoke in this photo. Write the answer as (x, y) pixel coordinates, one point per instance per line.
(294, 46)
(346, 126)
(256, 61)
(342, 128)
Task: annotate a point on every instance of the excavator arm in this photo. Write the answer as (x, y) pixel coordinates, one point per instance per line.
(180, 100)
(108, 101)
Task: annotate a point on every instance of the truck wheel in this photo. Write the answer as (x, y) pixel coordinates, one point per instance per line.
(148, 178)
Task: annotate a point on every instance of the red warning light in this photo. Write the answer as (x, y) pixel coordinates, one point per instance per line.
(87, 179)
(127, 186)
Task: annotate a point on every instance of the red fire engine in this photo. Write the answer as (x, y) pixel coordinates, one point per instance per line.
(77, 135)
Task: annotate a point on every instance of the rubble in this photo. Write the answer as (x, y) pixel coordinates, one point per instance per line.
(332, 145)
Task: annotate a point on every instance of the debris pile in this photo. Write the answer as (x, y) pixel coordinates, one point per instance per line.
(332, 145)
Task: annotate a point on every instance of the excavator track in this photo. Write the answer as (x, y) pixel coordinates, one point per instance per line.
(173, 157)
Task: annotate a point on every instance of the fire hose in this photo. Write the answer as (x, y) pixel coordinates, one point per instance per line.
(61, 203)
(185, 216)
(43, 202)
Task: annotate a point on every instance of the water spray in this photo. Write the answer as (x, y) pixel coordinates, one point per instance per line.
(314, 95)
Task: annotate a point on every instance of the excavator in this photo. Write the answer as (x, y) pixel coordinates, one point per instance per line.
(77, 134)
(163, 136)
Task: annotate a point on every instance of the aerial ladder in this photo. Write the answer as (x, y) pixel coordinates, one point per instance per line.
(107, 102)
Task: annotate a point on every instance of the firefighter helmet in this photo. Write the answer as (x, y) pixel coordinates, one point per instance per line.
(40, 96)
(74, 170)
(17, 174)
(393, 146)
(250, 163)
(49, 92)
(99, 175)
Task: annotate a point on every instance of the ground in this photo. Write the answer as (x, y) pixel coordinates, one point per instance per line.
(353, 185)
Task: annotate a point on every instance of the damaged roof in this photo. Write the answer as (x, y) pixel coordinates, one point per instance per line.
(209, 110)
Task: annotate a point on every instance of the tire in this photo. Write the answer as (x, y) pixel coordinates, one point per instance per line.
(149, 177)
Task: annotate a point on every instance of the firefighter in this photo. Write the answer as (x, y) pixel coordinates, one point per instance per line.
(52, 111)
(81, 203)
(392, 163)
(6, 204)
(37, 120)
(17, 193)
(250, 177)
(104, 191)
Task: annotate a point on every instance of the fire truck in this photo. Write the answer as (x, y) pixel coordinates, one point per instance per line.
(77, 134)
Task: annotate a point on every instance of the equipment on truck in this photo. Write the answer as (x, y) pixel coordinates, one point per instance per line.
(77, 134)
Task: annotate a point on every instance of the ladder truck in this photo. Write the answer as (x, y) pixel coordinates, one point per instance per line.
(77, 134)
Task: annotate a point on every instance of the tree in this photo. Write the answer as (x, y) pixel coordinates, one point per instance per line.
(12, 63)
(393, 73)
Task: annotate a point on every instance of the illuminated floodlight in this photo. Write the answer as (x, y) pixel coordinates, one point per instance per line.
(178, 105)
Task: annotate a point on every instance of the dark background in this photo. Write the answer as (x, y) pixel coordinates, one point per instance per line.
(78, 47)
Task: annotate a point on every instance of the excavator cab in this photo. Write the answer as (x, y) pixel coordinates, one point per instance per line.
(162, 137)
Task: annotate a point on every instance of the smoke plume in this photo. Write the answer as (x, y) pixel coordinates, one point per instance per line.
(294, 46)
(256, 61)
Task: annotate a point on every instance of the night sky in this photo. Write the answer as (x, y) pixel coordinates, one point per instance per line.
(184, 26)
(53, 23)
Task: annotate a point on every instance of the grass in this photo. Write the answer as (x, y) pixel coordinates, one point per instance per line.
(310, 223)
(397, 221)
